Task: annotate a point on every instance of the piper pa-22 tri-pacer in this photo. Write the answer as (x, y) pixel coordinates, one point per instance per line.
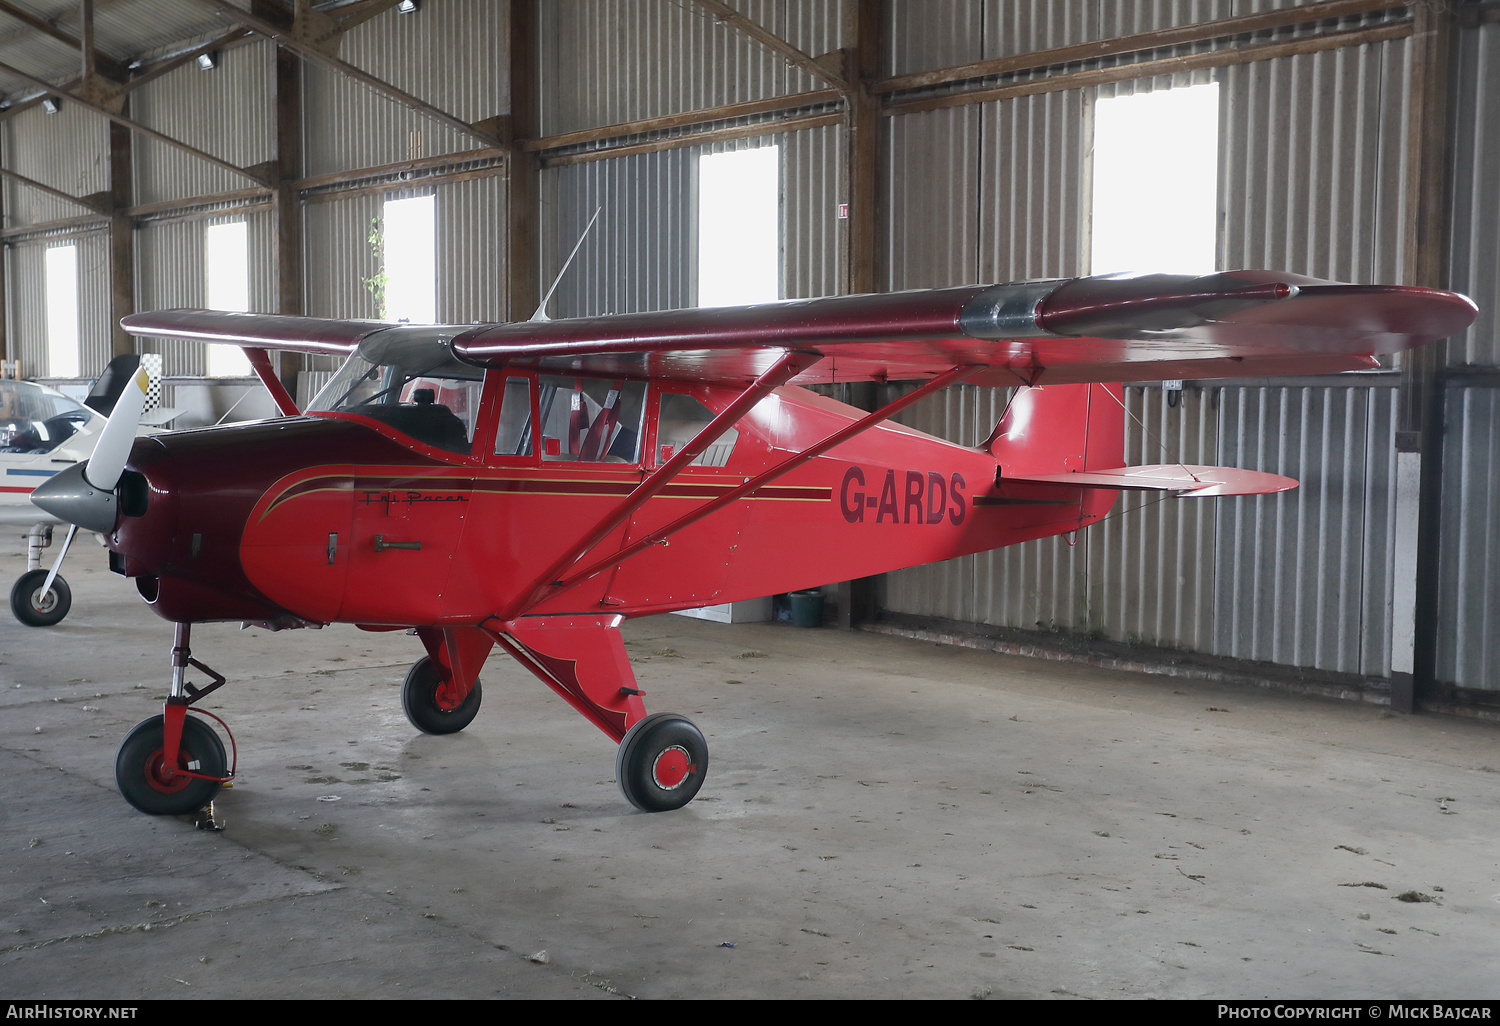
(530, 485)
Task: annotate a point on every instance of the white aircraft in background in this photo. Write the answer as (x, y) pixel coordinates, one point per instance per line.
(42, 432)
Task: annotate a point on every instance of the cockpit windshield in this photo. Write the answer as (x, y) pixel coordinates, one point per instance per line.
(412, 385)
(36, 420)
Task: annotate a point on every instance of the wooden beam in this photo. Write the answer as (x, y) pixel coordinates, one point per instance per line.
(121, 241)
(765, 37)
(82, 201)
(1221, 29)
(112, 67)
(286, 206)
(288, 38)
(1419, 401)
(691, 118)
(339, 178)
(154, 70)
(699, 138)
(80, 225)
(863, 25)
(134, 126)
(1151, 69)
(523, 168)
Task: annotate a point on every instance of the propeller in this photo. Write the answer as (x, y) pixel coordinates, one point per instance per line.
(84, 494)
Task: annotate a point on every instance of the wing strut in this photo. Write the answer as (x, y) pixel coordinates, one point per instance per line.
(942, 381)
(789, 366)
(260, 362)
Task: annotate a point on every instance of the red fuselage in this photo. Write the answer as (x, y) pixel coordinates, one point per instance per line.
(340, 518)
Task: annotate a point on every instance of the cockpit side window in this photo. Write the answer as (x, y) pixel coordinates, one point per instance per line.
(682, 417)
(591, 420)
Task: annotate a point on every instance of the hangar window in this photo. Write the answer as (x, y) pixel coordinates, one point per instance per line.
(409, 245)
(1156, 176)
(62, 311)
(739, 227)
(226, 265)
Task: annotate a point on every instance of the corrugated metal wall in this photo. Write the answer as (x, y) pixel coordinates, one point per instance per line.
(68, 150)
(452, 55)
(223, 112)
(605, 62)
(641, 253)
(1311, 181)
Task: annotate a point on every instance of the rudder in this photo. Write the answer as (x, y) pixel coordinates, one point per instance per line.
(1052, 429)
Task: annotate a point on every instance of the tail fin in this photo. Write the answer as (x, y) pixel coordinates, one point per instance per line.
(1052, 429)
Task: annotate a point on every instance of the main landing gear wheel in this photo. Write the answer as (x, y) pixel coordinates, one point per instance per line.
(419, 700)
(661, 763)
(138, 767)
(36, 608)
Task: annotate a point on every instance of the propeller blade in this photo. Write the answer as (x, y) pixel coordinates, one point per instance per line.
(113, 448)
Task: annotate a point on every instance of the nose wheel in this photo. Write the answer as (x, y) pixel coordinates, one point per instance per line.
(661, 763)
(140, 768)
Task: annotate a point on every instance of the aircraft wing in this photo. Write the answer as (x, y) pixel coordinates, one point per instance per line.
(1147, 327)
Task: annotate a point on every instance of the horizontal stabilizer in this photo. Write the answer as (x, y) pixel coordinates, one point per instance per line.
(1169, 477)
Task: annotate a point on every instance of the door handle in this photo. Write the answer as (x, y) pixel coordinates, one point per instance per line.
(381, 544)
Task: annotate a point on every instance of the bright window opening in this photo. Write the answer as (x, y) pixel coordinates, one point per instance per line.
(1156, 174)
(62, 311)
(739, 218)
(226, 262)
(410, 251)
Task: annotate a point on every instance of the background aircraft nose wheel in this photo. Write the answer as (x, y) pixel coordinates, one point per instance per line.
(138, 766)
(661, 763)
(419, 700)
(35, 608)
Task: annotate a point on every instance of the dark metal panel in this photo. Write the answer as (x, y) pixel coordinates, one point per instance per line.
(1468, 632)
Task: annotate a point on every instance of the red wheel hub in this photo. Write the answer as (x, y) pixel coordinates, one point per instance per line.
(156, 775)
(671, 768)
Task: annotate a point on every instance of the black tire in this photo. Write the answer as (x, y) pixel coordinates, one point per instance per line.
(138, 764)
(35, 609)
(419, 701)
(661, 763)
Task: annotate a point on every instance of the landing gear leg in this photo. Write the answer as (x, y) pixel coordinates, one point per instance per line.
(663, 758)
(170, 765)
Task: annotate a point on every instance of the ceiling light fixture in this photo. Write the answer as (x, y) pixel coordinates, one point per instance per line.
(407, 7)
(208, 61)
(51, 104)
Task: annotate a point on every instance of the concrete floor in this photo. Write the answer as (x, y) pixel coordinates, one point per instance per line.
(882, 818)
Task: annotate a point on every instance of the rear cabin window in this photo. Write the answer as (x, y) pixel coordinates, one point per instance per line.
(682, 417)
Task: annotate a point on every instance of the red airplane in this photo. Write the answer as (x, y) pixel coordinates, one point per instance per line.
(531, 485)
